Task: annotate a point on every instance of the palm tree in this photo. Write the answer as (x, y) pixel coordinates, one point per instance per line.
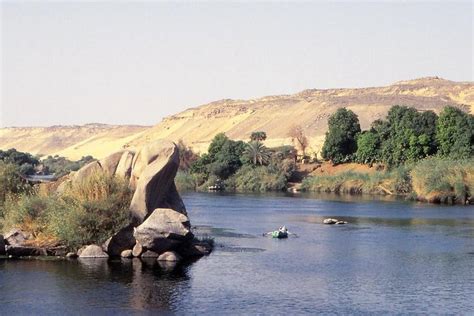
(258, 136)
(257, 153)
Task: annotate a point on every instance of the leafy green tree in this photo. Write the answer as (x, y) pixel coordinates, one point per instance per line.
(216, 145)
(257, 153)
(25, 161)
(223, 158)
(368, 147)
(411, 135)
(258, 136)
(340, 143)
(455, 133)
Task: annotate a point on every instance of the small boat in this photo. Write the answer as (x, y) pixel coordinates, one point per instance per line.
(279, 234)
(215, 188)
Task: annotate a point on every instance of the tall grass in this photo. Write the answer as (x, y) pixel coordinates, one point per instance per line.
(433, 179)
(86, 212)
(443, 180)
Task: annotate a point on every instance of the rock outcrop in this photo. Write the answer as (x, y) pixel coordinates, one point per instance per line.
(158, 218)
(163, 230)
(17, 237)
(153, 170)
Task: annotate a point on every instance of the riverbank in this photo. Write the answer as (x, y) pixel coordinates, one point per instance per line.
(432, 180)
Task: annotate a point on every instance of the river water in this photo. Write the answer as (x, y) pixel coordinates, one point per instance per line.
(392, 257)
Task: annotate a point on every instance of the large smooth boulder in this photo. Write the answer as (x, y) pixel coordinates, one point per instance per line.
(92, 251)
(86, 172)
(153, 170)
(163, 230)
(109, 164)
(124, 167)
(17, 237)
(2, 246)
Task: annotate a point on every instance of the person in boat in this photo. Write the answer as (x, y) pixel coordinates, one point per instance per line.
(282, 232)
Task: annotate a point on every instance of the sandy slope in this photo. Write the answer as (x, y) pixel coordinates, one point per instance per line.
(238, 118)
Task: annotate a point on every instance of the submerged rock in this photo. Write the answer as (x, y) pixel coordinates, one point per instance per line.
(164, 229)
(92, 251)
(150, 254)
(169, 256)
(195, 248)
(332, 221)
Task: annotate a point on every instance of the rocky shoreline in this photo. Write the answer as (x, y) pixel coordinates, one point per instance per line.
(159, 227)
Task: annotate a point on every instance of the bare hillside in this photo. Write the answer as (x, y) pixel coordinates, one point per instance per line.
(310, 108)
(238, 118)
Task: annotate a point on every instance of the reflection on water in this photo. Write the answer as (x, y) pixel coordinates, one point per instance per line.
(112, 285)
(392, 256)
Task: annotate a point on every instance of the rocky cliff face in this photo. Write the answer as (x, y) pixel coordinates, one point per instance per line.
(238, 118)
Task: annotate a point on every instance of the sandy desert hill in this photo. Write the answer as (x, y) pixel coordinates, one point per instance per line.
(238, 118)
(310, 108)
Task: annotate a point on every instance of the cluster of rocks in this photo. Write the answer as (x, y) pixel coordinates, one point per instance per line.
(333, 221)
(159, 226)
(16, 243)
(165, 235)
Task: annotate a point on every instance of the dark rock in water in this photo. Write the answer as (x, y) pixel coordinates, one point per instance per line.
(150, 254)
(56, 251)
(2, 246)
(137, 250)
(169, 256)
(92, 251)
(17, 237)
(71, 255)
(195, 248)
(126, 254)
(119, 242)
(20, 251)
(163, 230)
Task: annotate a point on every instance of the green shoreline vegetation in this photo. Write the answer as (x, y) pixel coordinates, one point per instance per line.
(421, 156)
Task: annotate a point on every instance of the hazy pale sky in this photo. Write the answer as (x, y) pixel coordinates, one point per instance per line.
(136, 62)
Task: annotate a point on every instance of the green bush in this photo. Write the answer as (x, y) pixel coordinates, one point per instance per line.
(85, 213)
(258, 178)
(185, 181)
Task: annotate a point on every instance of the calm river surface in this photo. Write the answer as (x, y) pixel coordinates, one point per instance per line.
(393, 257)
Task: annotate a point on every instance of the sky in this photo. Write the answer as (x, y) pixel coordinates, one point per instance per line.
(132, 62)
